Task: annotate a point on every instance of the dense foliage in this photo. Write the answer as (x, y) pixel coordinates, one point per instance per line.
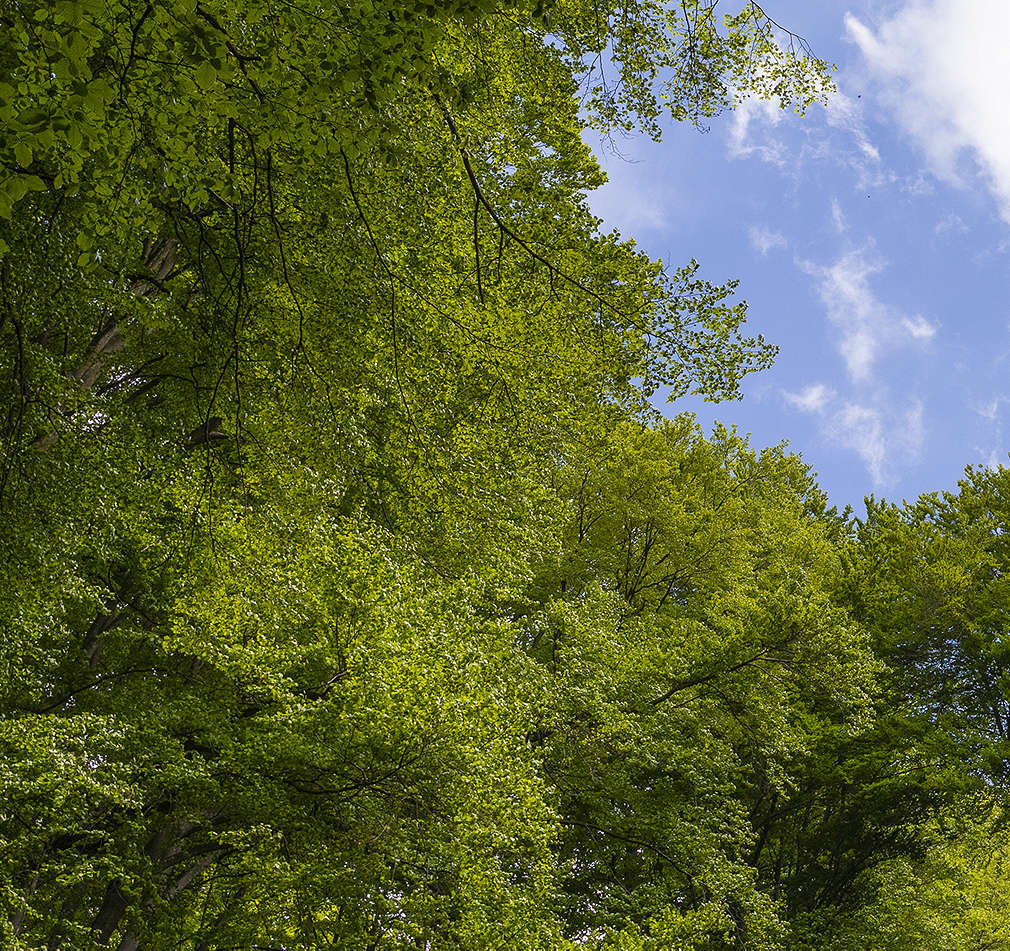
(353, 595)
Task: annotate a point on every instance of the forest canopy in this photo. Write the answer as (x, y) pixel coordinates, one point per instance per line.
(354, 593)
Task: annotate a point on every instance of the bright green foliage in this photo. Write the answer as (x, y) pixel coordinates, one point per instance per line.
(698, 68)
(928, 582)
(351, 595)
(105, 94)
(695, 652)
(957, 899)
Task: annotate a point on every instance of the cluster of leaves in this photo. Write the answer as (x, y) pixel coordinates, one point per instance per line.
(352, 594)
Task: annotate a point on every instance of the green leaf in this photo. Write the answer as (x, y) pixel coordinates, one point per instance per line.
(33, 118)
(16, 188)
(205, 75)
(23, 154)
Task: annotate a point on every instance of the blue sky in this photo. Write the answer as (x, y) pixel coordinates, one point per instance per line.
(871, 238)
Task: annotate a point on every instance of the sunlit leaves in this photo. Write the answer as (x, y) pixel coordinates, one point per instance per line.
(311, 339)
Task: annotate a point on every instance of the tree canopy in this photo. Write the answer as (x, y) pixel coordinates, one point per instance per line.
(354, 595)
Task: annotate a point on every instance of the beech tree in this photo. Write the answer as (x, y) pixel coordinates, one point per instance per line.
(696, 653)
(353, 596)
(927, 581)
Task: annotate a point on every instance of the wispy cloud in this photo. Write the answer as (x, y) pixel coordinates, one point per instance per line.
(942, 68)
(990, 409)
(883, 439)
(845, 114)
(853, 307)
(749, 131)
(867, 325)
(885, 434)
(995, 453)
(993, 450)
(838, 217)
(866, 416)
(635, 198)
(918, 327)
(836, 134)
(811, 399)
(950, 223)
(861, 428)
(624, 204)
(764, 239)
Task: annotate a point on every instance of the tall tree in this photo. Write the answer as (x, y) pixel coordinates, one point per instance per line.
(914, 803)
(302, 309)
(697, 655)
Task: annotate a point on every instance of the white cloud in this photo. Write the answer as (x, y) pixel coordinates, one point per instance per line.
(881, 437)
(860, 428)
(884, 434)
(994, 449)
(995, 459)
(853, 307)
(859, 350)
(845, 113)
(950, 223)
(838, 216)
(989, 410)
(942, 66)
(636, 197)
(918, 327)
(994, 452)
(867, 324)
(758, 114)
(811, 399)
(885, 430)
(918, 187)
(836, 134)
(764, 239)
